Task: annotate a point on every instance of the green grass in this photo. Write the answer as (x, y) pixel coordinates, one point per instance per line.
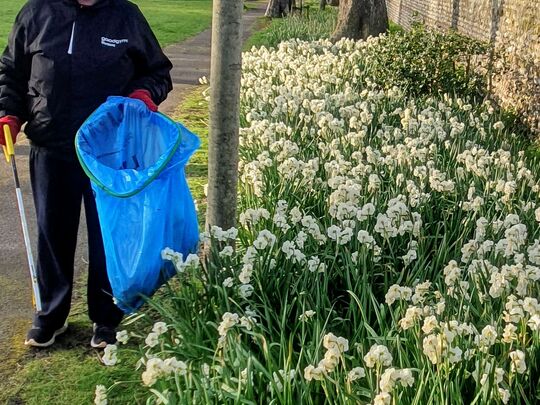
(70, 377)
(193, 113)
(175, 20)
(309, 26)
(258, 38)
(9, 8)
(68, 372)
(172, 20)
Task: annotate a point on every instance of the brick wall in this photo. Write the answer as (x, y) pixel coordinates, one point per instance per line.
(476, 18)
(512, 25)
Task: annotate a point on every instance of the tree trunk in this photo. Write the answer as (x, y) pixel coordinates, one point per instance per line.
(225, 75)
(277, 8)
(334, 3)
(359, 19)
(322, 4)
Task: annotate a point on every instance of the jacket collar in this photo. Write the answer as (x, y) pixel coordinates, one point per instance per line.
(99, 3)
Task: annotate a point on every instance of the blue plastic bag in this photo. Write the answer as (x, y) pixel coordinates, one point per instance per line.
(135, 160)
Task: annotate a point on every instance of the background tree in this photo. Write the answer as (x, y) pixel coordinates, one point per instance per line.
(225, 75)
(278, 8)
(358, 19)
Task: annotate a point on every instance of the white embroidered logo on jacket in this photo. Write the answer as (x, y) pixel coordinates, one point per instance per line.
(112, 42)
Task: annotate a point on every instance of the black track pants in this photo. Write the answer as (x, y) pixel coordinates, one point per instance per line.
(59, 186)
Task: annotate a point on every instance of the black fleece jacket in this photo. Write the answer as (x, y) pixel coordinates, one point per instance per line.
(63, 60)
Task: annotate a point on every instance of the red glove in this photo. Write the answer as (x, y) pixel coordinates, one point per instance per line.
(15, 126)
(145, 97)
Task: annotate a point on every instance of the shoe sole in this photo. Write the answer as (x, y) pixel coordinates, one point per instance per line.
(33, 343)
(101, 345)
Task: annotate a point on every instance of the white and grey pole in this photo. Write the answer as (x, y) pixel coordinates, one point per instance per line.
(9, 152)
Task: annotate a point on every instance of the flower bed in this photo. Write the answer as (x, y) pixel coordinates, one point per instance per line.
(387, 250)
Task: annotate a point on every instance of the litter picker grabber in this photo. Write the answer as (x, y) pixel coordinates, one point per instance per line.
(9, 152)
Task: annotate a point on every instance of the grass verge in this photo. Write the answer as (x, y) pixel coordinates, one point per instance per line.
(68, 372)
(9, 8)
(172, 20)
(193, 113)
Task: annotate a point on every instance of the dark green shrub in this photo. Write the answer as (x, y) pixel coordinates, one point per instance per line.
(425, 61)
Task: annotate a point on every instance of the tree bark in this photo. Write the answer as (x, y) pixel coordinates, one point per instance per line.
(359, 19)
(322, 4)
(225, 75)
(277, 8)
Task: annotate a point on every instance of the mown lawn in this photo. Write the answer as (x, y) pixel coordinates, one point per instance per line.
(172, 20)
(68, 372)
(9, 11)
(175, 20)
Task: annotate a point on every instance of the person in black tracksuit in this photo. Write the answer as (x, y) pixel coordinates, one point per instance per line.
(64, 58)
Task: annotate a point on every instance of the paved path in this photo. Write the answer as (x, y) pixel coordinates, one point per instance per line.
(191, 60)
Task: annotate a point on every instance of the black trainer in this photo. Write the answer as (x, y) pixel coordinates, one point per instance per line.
(103, 336)
(43, 337)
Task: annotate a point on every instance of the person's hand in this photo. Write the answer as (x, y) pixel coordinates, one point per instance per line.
(14, 125)
(145, 97)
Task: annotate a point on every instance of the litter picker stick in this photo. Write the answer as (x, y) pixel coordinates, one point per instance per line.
(9, 152)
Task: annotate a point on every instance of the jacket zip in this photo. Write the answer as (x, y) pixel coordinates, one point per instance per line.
(70, 49)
